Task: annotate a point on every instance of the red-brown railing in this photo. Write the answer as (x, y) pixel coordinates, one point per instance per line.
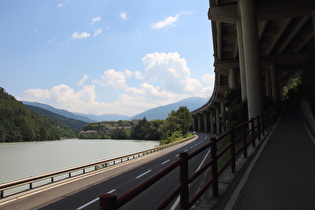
(239, 137)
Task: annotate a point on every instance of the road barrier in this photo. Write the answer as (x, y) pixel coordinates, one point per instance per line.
(23, 185)
(224, 151)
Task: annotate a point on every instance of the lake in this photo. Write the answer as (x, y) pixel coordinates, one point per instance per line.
(25, 159)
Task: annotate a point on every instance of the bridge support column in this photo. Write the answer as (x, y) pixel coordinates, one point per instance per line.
(232, 78)
(194, 123)
(268, 84)
(274, 83)
(313, 18)
(199, 122)
(217, 120)
(205, 122)
(241, 58)
(211, 122)
(252, 59)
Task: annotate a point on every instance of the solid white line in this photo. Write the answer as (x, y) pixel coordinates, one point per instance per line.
(165, 161)
(92, 201)
(175, 204)
(87, 204)
(143, 174)
(111, 191)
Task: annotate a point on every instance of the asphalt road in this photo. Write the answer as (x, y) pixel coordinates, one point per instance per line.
(84, 193)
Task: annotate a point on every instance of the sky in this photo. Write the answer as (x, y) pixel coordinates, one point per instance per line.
(106, 56)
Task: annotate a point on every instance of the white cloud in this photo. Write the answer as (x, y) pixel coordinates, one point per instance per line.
(97, 32)
(60, 5)
(123, 15)
(169, 21)
(96, 19)
(84, 78)
(82, 35)
(165, 79)
(112, 79)
(208, 79)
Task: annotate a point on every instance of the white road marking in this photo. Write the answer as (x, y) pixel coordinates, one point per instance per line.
(113, 190)
(178, 198)
(87, 204)
(165, 161)
(143, 174)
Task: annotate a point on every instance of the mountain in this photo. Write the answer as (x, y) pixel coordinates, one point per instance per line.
(162, 112)
(59, 111)
(72, 123)
(18, 123)
(106, 117)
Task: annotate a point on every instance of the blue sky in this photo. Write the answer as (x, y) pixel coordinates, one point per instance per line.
(106, 56)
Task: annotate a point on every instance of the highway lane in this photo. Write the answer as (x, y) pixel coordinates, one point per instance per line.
(88, 199)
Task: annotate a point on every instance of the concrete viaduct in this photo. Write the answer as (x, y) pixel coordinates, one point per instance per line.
(259, 45)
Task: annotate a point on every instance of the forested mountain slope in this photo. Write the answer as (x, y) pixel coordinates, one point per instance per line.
(18, 123)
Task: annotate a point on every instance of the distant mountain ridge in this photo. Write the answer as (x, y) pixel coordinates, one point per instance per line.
(160, 112)
(72, 123)
(62, 112)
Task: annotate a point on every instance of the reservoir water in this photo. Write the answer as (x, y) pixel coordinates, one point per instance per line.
(25, 159)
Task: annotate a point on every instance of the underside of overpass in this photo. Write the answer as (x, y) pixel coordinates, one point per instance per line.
(259, 45)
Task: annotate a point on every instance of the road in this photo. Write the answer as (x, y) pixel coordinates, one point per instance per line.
(84, 192)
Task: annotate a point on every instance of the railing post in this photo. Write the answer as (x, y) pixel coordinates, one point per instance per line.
(259, 127)
(244, 139)
(1, 194)
(184, 193)
(252, 125)
(214, 167)
(232, 141)
(108, 202)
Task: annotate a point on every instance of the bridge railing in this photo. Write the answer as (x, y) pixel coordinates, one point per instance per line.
(224, 149)
(19, 186)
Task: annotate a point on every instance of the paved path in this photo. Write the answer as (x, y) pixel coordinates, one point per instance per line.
(283, 176)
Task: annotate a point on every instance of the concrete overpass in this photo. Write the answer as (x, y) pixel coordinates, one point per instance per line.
(259, 45)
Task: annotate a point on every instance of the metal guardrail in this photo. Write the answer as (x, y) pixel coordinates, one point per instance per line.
(239, 139)
(37, 181)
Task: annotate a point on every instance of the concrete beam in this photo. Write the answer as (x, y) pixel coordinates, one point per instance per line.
(225, 14)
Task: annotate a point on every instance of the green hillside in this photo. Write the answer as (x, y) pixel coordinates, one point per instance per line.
(72, 123)
(18, 123)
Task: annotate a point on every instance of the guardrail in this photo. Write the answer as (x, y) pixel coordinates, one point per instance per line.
(37, 181)
(223, 154)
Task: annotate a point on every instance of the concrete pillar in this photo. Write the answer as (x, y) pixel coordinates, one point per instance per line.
(211, 122)
(268, 84)
(205, 122)
(232, 78)
(251, 55)
(194, 123)
(241, 58)
(274, 83)
(313, 18)
(217, 120)
(223, 119)
(199, 123)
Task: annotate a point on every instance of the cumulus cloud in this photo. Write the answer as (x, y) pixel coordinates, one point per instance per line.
(82, 35)
(112, 79)
(96, 19)
(166, 79)
(169, 21)
(97, 32)
(84, 78)
(123, 15)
